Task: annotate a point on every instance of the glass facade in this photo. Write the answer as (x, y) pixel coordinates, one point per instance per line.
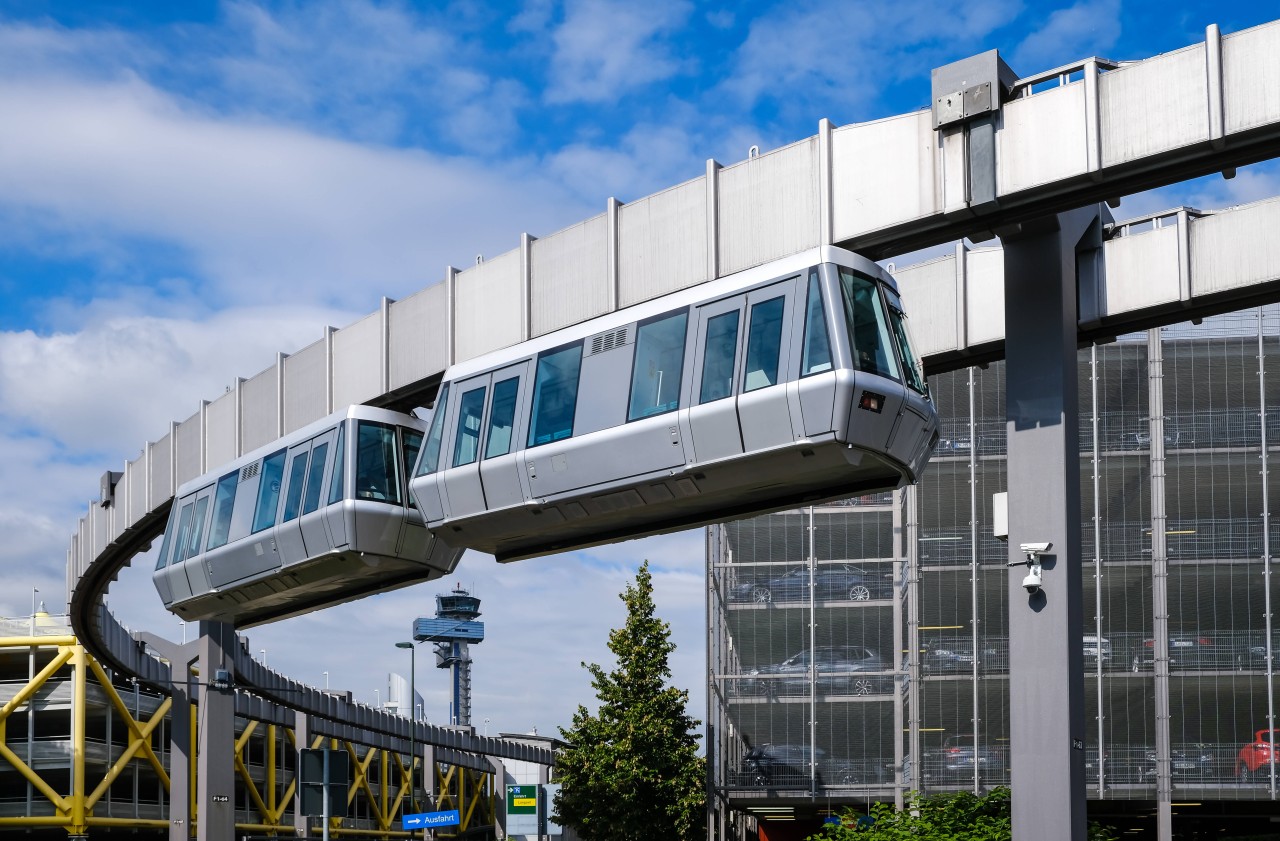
(859, 650)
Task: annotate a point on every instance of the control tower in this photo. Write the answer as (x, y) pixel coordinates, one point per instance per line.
(453, 630)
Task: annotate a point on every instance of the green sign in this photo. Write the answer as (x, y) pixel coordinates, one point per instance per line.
(522, 800)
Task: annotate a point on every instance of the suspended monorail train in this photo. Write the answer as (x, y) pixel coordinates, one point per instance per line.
(783, 384)
(788, 383)
(320, 517)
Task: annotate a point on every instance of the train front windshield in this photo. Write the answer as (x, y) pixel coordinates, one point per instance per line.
(874, 327)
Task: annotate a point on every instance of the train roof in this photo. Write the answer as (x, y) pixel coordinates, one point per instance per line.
(702, 292)
(359, 412)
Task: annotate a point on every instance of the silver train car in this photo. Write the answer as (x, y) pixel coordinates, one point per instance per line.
(320, 517)
(780, 385)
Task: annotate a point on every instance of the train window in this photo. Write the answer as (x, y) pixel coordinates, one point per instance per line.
(502, 418)
(868, 327)
(184, 530)
(412, 446)
(817, 344)
(910, 364)
(264, 515)
(377, 463)
(718, 354)
(764, 343)
(466, 444)
(430, 459)
(223, 499)
(339, 467)
(169, 531)
(315, 478)
(297, 475)
(555, 394)
(197, 529)
(658, 366)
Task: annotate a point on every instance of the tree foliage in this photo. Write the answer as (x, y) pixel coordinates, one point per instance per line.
(961, 816)
(633, 770)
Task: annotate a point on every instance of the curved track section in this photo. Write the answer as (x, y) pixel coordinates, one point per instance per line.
(268, 695)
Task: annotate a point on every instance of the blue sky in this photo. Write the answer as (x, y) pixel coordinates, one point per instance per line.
(188, 188)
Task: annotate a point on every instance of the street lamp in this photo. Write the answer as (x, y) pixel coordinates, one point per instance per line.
(326, 681)
(413, 723)
(262, 652)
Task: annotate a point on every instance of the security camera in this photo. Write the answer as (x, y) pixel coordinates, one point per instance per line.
(1033, 581)
(1034, 548)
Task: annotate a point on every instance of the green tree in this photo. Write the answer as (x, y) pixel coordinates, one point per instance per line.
(962, 816)
(632, 771)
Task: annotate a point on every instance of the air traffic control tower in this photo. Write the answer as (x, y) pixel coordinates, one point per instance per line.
(453, 630)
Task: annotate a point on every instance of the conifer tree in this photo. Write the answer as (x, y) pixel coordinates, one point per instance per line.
(633, 770)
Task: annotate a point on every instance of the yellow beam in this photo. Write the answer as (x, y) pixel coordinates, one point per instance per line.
(37, 642)
(79, 703)
(61, 659)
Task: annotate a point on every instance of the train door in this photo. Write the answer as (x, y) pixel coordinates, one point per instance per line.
(288, 530)
(311, 516)
(814, 406)
(333, 514)
(913, 424)
(764, 412)
(461, 488)
(191, 578)
(426, 487)
(713, 409)
(500, 473)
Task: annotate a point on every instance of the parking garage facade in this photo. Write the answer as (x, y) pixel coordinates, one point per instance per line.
(859, 650)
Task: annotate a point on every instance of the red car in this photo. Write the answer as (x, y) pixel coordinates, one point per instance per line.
(1257, 755)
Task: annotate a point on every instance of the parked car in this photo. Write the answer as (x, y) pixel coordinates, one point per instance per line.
(955, 655)
(841, 670)
(959, 756)
(1253, 654)
(1096, 647)
(1186, 763)
(787, 766)
(1187, 651)
(1257, 757)
(844, 582)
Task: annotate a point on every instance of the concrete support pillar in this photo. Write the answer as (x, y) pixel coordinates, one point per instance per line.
(215, 772)
(1046, 661)
(180, 756)
(302, 736)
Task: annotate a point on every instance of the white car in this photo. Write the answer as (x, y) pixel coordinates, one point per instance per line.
(1095, 646)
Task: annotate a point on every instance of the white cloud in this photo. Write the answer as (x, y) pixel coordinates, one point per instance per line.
(1089, 27)
(262, 210)
(604, 49)
(834, 58)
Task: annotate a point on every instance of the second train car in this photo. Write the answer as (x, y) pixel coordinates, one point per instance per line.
(320, 517)
(783, 384)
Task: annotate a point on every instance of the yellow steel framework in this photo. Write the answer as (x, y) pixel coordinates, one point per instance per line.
(380, 780)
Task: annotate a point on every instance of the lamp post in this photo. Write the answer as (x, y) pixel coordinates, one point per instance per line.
(262, 652)
(413, 723)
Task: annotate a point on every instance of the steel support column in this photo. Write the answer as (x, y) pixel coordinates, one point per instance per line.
(1046, 661)
(215, 774)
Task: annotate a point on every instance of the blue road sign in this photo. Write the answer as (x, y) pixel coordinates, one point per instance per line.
(429, 819)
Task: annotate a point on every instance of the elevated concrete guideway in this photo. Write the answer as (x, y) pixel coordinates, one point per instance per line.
(1098, 131)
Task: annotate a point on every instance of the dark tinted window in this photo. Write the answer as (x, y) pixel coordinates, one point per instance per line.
(658, 366)
(817, 345)
(718, 356)
(555, 395)
(377, 462)
(223, 499)
(315, 478)
(338, 478)
(466, 443)
(297, 475)
(502, 418)
(430, 460)
(764, 343)
(264, 515)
